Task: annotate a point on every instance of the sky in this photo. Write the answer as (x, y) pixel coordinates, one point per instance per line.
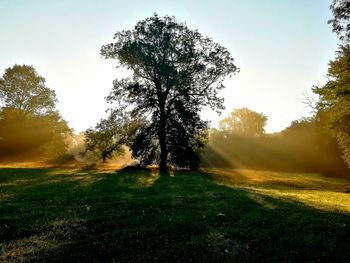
(282, 48)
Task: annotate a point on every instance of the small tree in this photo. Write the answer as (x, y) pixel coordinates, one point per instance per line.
(176, 72)
(109, 136)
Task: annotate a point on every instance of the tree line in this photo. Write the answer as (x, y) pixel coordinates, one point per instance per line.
(240, 141)
(176, 72)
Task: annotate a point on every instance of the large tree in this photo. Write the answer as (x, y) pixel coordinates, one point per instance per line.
(333, 107)
(176, 72)
(334, 100)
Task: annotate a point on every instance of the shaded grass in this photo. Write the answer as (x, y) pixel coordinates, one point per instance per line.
(60, 215)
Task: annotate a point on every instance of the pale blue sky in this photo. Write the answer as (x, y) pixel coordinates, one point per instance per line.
(281, 46)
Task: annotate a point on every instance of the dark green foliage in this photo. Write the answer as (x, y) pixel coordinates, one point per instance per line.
(341, 19)
(334, 100)
(145, 146)
(85, 216)
(333, 107)
(109, 136)
(176, 72)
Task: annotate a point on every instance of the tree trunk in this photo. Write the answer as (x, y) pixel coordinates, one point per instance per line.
(104, 156)
(163, 148)
(162, 142)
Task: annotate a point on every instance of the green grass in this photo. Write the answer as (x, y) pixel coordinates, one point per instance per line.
(56, 215)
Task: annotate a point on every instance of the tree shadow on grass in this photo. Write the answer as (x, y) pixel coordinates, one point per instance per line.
(184, 218)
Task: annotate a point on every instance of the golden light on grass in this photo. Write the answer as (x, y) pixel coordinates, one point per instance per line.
(148, 179)
(314, 190)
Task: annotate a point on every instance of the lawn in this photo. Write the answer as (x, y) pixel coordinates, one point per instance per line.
(56, 215)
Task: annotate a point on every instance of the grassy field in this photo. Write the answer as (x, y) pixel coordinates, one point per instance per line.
(55, 215)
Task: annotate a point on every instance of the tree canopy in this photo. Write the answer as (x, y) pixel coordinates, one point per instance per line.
(22, 89)
(176, 72)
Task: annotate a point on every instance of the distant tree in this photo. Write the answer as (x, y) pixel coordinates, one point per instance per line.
(334, 100)
(29, 122)
(244, 121)
(176, 72)
(341, 19)
(22, 89)
(109, 136)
